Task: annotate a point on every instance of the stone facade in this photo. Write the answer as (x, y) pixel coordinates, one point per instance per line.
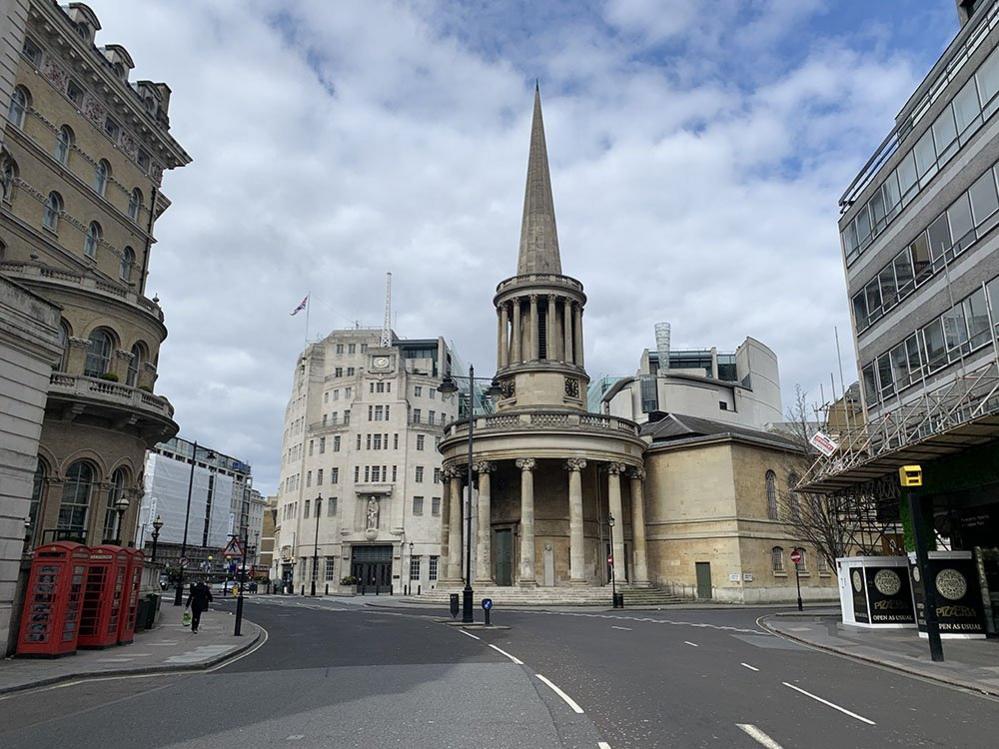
(84, 150)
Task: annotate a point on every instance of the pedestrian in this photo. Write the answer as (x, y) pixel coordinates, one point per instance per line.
(198, 601)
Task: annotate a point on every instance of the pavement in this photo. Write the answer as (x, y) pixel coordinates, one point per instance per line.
(971, 664)
(168, 647)
(336, 673)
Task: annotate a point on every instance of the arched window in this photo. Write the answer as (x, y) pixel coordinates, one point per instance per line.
(116, 489)
(93, 240)
(777, 559)
(64, 335)
(102, 173)
(802, 564)
(53, 209)
(99, 348)
(135, 365)
(127, 263)
(135, 204)
(771, 480)
(76, 493)
(37, 495)
(8, 176)
(64, 144)
(20, 100)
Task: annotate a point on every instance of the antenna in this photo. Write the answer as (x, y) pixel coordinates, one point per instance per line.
(386, 339)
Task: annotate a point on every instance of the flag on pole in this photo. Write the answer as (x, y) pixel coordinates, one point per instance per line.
(300, 307)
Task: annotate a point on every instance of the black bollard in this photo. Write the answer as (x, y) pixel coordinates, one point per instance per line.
(327, 588)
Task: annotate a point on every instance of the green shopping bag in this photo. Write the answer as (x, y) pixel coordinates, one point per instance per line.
(186, 619)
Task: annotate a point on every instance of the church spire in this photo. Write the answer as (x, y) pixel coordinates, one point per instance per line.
(538, 236)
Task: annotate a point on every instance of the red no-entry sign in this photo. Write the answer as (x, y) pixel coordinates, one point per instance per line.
(796, 556)
(610, 560)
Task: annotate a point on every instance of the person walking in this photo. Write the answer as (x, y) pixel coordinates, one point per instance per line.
(198, 601)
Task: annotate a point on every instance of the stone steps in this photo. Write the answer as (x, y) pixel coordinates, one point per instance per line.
(557, 596)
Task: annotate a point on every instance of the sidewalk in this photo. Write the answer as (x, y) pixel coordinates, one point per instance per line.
(972, 664)
(401, 602)
(169, 647)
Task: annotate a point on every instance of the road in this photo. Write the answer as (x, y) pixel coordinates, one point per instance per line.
(336, 674)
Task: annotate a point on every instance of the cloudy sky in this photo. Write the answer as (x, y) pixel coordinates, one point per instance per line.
(697, 158)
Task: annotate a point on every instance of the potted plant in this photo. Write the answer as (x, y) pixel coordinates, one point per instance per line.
(110, 377)
(349, 585)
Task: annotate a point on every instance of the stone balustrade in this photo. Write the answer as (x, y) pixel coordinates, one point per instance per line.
(544, 420)
(113, 393)
(539, 279)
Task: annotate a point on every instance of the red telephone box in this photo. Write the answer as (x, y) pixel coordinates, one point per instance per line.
(51, 614)
(130, 602)
(103, 594)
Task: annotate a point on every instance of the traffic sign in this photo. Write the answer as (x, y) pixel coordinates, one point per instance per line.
(610, 559)
(233, 549)
(487, 603)
(796, 556)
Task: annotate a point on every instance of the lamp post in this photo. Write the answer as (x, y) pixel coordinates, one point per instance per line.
(610, 523)
(409, 572)
(179, 596)
(448, 385)
(315, 546)
(157, 524)
(120, 506)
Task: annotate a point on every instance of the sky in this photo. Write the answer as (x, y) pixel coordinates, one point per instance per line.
(697, 159)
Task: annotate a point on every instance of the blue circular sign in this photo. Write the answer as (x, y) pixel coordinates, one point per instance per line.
(487, 603)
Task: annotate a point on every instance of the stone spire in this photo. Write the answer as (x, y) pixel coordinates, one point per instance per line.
(538, 236)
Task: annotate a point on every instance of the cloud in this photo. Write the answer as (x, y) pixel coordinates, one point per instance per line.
(696, 158)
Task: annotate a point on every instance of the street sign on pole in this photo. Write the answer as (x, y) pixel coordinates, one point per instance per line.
(796, 556)
(233, 549)
(183, 561)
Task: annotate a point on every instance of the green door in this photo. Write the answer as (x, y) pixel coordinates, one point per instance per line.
(703, 579)
(503, 556)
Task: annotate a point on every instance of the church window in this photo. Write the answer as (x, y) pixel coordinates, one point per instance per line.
(771, 482)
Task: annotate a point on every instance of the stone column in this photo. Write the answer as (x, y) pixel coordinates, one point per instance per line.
(614, 471)
(550, 318)
(483, 551)
(535, 350)
(504, 341)
(577, 324)
(518, 354)
(637, 476)
(457, 530)
(527, 567)
(567, 331)
(577, 552)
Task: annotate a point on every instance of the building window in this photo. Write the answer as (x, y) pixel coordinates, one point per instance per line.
(305, 512)
(99, 347)
(823, 564)
(395, 441)
(417, 505)
(112, 128)
(417, 391)
(20, 100)
(431, 394)
(777, 560)
(416, 416)
(37, 494)
(334, 475)
(135, 364)
(331, 507)
(143, 161)
(322, 445)
(350, 371)
(116, 490)
(308, 481)
(127, 263)
(336, 443)
(351, 348)
(31, 51)
(53, 209)
(102, 173)
(433, 568)
(346, 415)
(771, 482)
(431, 417)
(437, 475)
(135, 204)
(319, 477)
(93, 239)
(64, 144)
(357, 474)
(435, 506)
(328, 572)
(414, 568)
(75, 501)
(802, 565)
(338, 372)
(420, 441)
(419, 474)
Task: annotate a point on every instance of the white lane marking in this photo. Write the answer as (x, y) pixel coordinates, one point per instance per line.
(603, 745)
(568, 700)
(830, 704)
(751, 668)
(469, 634)
(760, 737)
(692, 644)
(511, 657)
(614, 626)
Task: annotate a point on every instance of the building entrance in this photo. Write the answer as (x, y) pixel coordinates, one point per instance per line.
(503, 554)
(372, 566)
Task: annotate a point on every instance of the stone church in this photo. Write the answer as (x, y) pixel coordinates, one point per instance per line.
(682, 502)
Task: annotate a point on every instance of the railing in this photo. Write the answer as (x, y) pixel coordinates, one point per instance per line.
(966, 398)
(539, 279)
(95, 285)
(110, 392)
(545, 420)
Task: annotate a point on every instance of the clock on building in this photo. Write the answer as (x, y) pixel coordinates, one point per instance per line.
(381, 362)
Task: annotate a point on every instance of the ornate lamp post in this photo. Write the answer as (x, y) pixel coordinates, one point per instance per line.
(409, 572)
(120, 506)
(448, 385)
(157, 524)
(315, 546)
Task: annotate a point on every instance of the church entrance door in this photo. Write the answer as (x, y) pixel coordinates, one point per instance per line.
(503, 554)
(372, 565)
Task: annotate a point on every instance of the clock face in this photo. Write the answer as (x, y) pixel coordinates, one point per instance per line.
(381, 362)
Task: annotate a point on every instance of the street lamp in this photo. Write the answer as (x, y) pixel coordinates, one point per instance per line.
(447, 386)
(610, 522)
(120, 505)
(409, 572)
(157, 524)
(179, 596)
(315, 546)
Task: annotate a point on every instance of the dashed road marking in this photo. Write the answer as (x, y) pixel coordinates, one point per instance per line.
(511, 657)
(759, 736)
(469, 634)
(627, 629)
(568, 700)
(751, 668)
(603, 745)
(692, 644)
(833, 705)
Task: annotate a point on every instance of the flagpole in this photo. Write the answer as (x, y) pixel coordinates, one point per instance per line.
(308, 305)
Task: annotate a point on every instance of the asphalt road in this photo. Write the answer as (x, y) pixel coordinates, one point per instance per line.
(334, 674)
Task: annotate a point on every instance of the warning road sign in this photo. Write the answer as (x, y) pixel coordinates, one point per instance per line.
(233, 549)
